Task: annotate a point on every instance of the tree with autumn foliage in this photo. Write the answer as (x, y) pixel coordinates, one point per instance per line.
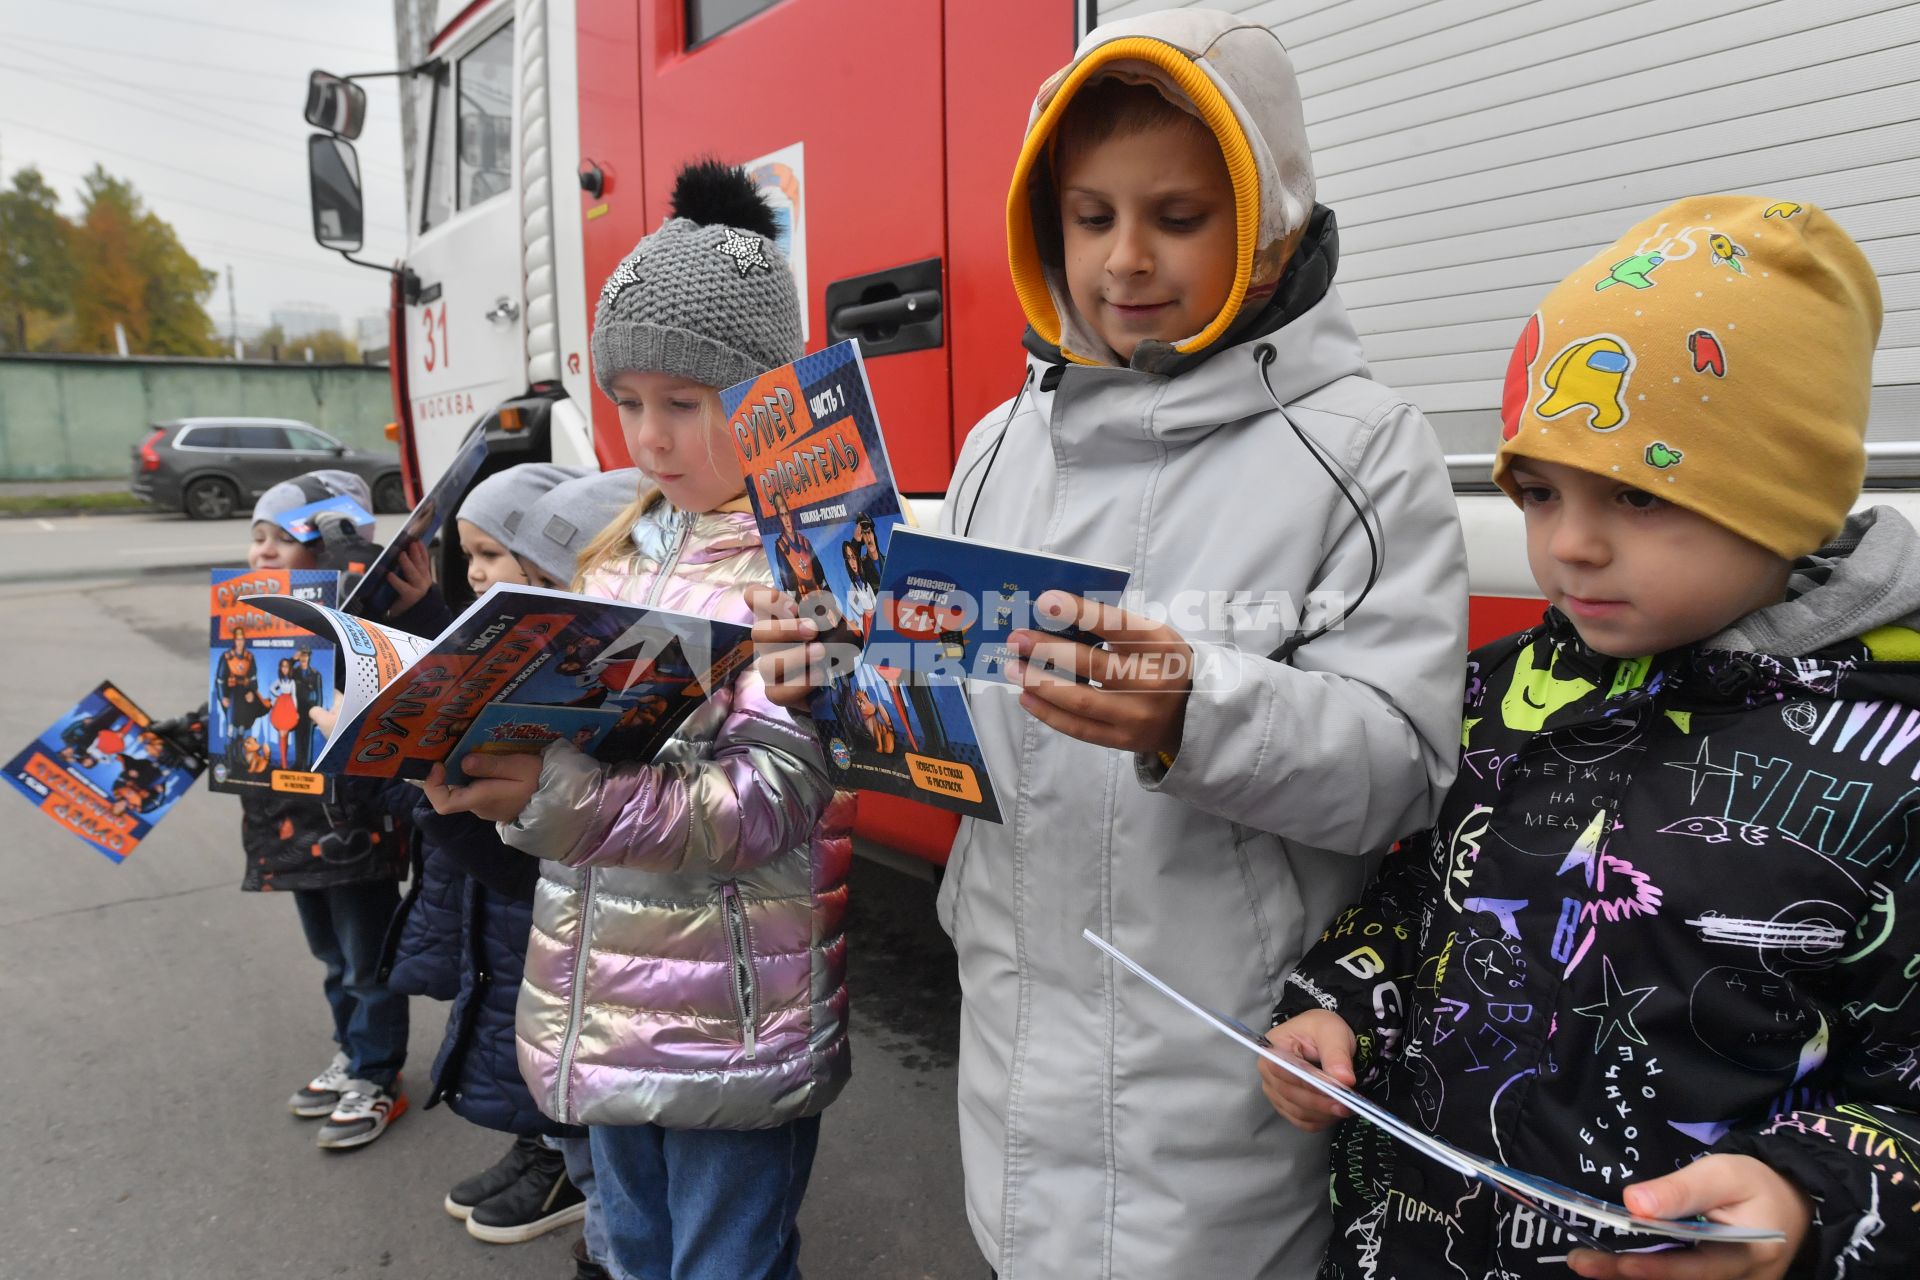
(36, 259)
(131, 269)
(64, 284)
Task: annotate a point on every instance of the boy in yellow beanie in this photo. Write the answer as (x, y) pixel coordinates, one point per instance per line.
(1660, 945)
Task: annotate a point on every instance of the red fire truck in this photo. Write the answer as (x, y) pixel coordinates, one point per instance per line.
(1474, 151)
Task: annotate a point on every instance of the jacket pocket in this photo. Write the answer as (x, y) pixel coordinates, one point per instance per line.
(746, 986)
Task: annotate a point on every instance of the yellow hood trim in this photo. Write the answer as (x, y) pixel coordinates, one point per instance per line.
(1023, 257)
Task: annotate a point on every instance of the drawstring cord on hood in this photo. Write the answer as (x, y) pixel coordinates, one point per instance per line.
(986, 468)
(1265, 355)
(1350, 488)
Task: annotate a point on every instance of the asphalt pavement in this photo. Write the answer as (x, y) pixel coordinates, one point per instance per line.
(153, 1019)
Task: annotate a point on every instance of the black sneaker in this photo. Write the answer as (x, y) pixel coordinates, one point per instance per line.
(584, 1267)
(495, 1178)
(543, 1198)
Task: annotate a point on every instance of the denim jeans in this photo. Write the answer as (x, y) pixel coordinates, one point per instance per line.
(346, 927)
(703, 1204)
(579, 1157)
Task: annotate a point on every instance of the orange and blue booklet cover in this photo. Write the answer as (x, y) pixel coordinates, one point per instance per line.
(265, 677)
(514, 671)
(808, 441)
(103, 774)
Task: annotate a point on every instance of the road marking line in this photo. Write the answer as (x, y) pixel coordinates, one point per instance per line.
(47, 525)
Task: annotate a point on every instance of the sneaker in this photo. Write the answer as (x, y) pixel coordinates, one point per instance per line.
(322, 1093)
(584, 1267)
(364, 1113)
(494, 1179)
(540, 1200)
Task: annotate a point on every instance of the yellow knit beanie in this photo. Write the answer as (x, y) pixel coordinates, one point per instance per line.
(1719, 355)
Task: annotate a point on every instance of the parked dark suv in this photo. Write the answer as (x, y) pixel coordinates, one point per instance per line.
(212, 468)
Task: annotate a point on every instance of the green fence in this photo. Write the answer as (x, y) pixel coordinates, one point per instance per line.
(78, 417)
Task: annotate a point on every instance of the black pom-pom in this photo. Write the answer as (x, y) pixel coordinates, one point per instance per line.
(716, 194)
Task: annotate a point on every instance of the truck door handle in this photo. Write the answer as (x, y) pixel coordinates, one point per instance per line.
(889, 311)
(503, 309)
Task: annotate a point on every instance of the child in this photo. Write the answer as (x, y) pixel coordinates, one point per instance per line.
(461, 935)
(684, 992)
(1659, 942)
(491, 515)
(341, 862)
(561, 522)
(1196, 408)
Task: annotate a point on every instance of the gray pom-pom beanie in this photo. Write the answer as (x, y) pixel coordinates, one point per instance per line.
(705, 297)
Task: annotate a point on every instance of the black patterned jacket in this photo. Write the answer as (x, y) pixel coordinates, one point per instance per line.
(1669, 908)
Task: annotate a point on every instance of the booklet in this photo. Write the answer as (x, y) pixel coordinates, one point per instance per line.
(303, 522)
(1561, 1205)
(407, 703)
(265, 676)
(372, 596)
(102, 773)
(948, 605)
(508, 728)
(809, 444)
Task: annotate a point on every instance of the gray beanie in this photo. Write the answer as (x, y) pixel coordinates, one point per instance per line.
(558, 527)
(706, 297)
(312, 486)
(498, 503)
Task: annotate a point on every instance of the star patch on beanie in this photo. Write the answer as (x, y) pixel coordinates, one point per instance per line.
(1718, 355)
(707, 297)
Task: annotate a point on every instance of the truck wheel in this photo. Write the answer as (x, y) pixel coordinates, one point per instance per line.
(210, 498)
(389, 494)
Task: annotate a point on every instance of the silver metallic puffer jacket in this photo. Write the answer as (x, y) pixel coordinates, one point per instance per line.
(687, 965)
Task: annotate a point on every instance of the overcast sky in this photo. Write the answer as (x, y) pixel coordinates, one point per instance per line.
(199, 103)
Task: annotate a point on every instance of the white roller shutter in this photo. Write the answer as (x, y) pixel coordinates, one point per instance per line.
(1478, 150)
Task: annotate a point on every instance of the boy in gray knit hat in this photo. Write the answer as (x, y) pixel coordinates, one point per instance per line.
(492, 515)
(558, 525)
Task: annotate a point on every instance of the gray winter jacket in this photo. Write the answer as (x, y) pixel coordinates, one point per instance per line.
(1104, 1132)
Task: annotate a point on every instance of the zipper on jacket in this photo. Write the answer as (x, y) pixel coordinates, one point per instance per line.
(745, 993)
(571, 1041)
(664, 573)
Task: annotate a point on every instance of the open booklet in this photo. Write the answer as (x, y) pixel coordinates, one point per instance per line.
(372, 596)
(521, 667)
(809, 443)
(1562, 1205)
(101, 772)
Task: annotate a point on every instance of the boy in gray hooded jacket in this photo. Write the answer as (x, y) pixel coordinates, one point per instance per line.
(1196, 407)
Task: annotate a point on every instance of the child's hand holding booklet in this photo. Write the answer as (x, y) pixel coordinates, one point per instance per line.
(1570, 1209)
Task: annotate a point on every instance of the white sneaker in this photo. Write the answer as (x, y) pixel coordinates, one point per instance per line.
(322, 1093)
(364, 1113)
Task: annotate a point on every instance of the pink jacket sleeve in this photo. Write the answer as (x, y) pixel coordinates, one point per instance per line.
(750, 794)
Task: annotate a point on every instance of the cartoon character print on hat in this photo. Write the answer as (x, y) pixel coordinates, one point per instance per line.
(1513, 396)
(1635, 272)
(1589, 374)
(1781, 209)
(1726, 253)
(747, 251)
(1660, 455)
(1708, 355)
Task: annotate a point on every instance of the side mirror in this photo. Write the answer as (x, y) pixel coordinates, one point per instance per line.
(333, 181)
(336, 105)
